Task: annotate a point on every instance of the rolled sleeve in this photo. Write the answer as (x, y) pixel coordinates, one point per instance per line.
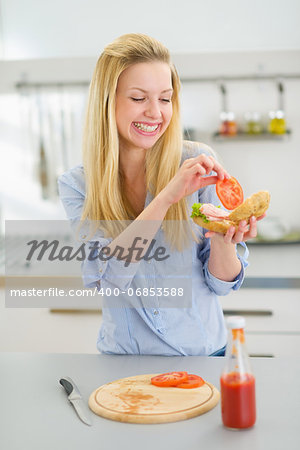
(221, 287)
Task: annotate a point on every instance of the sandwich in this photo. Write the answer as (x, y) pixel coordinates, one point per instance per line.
(214, 218)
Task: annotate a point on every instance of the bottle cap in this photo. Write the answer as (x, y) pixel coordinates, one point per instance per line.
(235, 322)
(256, 116)
(279, 114)
(223, 116)
(272, 114)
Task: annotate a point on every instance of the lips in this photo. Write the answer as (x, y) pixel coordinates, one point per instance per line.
(146, 129)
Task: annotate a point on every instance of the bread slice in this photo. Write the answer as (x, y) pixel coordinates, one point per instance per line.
(219, 227)
(255, 205)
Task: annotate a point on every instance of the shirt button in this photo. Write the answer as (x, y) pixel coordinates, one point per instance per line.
(83, 236)
(161, 330)
(155, 312)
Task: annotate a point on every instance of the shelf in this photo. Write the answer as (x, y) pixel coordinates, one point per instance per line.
(210, 79)
(271, 283)
(293, 237)
(250, 77)
(245, 137)
(273, 242)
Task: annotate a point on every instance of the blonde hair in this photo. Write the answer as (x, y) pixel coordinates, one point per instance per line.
(105, 200)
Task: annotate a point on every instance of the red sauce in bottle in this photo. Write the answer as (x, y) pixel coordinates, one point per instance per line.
(238, 400)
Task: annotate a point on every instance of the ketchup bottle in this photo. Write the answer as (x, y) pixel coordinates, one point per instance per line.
(237, 381)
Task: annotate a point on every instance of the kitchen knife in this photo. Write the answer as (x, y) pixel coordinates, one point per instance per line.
(75, 398)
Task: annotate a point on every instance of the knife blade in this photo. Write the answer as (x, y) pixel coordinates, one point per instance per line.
(75, 398)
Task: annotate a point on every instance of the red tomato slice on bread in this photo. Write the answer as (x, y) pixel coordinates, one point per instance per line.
(230, 193)
(169, 379)
(193, 381)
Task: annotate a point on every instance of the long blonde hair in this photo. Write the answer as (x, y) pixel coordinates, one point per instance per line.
(105, 200)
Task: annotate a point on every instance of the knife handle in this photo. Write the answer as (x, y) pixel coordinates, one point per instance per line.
(67, 385)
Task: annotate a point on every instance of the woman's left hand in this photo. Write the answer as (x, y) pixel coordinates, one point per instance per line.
(241, 234)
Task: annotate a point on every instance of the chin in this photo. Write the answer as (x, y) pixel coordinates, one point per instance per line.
(145, 142)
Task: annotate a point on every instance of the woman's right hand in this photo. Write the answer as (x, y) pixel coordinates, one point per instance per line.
(192, 176)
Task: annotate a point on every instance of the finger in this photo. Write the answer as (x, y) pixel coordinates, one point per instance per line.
(191, 161)
(205, 162)
(239, 235)
(243, 226)
(205, 181)
(210, 164)
(229, 235)
(222, 173)
(188, 162)
(197, 169)
(261, 217)
(209, 234)
(252, 233)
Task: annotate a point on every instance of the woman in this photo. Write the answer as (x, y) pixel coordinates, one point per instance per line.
(136, 168)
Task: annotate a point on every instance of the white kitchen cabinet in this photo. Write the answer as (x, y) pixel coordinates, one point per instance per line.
(273, 345)
(272, 319)
(282, 260)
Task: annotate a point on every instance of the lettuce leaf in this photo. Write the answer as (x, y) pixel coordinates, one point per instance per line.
(197, 213)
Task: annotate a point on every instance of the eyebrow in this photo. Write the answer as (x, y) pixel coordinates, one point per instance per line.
(162, 92)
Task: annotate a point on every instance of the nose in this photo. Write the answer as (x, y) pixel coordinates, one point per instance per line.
(153, 110)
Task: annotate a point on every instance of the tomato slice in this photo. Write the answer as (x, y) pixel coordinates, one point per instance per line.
(230, 193)
(169, 379)
(193, 381)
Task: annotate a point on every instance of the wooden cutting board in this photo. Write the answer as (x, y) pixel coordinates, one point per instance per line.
(136, 400)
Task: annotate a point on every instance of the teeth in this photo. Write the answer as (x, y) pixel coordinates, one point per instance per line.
(143, 127)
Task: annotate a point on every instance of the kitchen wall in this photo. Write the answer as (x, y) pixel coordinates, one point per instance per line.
(75, 28)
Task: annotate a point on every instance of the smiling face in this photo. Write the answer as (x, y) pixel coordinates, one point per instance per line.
(143, 104)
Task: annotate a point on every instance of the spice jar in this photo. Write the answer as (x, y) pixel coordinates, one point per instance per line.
(253, 123)
(277, 123)
(228, 125)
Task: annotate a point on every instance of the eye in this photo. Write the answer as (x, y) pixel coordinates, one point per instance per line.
(166, 100)
(137, 99)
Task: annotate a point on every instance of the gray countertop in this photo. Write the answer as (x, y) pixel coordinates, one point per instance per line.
(35, 413)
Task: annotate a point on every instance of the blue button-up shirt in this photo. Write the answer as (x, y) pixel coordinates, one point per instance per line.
(167, 307)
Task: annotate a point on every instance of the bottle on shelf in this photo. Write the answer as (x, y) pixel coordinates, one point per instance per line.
(277, 123)
(228, 126)
(253, 123)
(237, 381)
